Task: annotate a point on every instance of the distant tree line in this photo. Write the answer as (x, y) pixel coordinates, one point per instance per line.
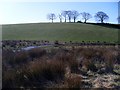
(73, 15)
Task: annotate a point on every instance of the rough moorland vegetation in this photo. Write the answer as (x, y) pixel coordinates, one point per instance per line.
(62, 67)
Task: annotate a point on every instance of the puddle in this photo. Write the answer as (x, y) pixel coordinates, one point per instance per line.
(31, 47)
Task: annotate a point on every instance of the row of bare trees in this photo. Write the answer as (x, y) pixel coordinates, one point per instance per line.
(69, 15)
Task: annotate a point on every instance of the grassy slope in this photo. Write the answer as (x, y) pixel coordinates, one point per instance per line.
(57, 31)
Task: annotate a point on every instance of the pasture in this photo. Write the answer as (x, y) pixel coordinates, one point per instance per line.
(59, 31)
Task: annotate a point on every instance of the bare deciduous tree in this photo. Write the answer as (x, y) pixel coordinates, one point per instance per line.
(51, 16)
(60, 17)
(69, 14)
(86, 16)
(64, 14)
(75, 15)
(101, 16)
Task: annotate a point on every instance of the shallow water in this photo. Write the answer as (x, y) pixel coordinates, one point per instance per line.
(31, 47)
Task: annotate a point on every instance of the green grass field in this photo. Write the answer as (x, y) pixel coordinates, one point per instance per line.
(59, 31)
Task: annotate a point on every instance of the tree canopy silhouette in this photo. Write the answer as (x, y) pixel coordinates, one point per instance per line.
(86, 16)
(75, 15)
(60, 17)
(69, 14)
(51, 16)
(64, 14)
(101, 16)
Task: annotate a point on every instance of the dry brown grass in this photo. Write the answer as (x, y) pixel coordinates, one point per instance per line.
(51, 66)
(36, 52)
(47, 69)
(69, 58)
(20, 57)
(8, 79)
(109, 60)
(73, 82)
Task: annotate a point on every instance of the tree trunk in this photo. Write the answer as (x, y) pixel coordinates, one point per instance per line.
(69, 20)
(65, 19)
(60, 20)
(85, 21)
(102, 21)
(74, 19)
(52, 20)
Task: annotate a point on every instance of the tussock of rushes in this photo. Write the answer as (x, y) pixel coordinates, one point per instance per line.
(75, 82)
(8, 79)
(9, 57)
(109, 60)
(88, 53)
(36, 52)
(47, 69)
(19, 57)
(51, 66)
(69, 59)
(72, 80)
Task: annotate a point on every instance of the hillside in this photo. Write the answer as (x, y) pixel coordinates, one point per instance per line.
(59, 31)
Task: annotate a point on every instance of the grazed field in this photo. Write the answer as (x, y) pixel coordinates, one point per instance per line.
(59, 31)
